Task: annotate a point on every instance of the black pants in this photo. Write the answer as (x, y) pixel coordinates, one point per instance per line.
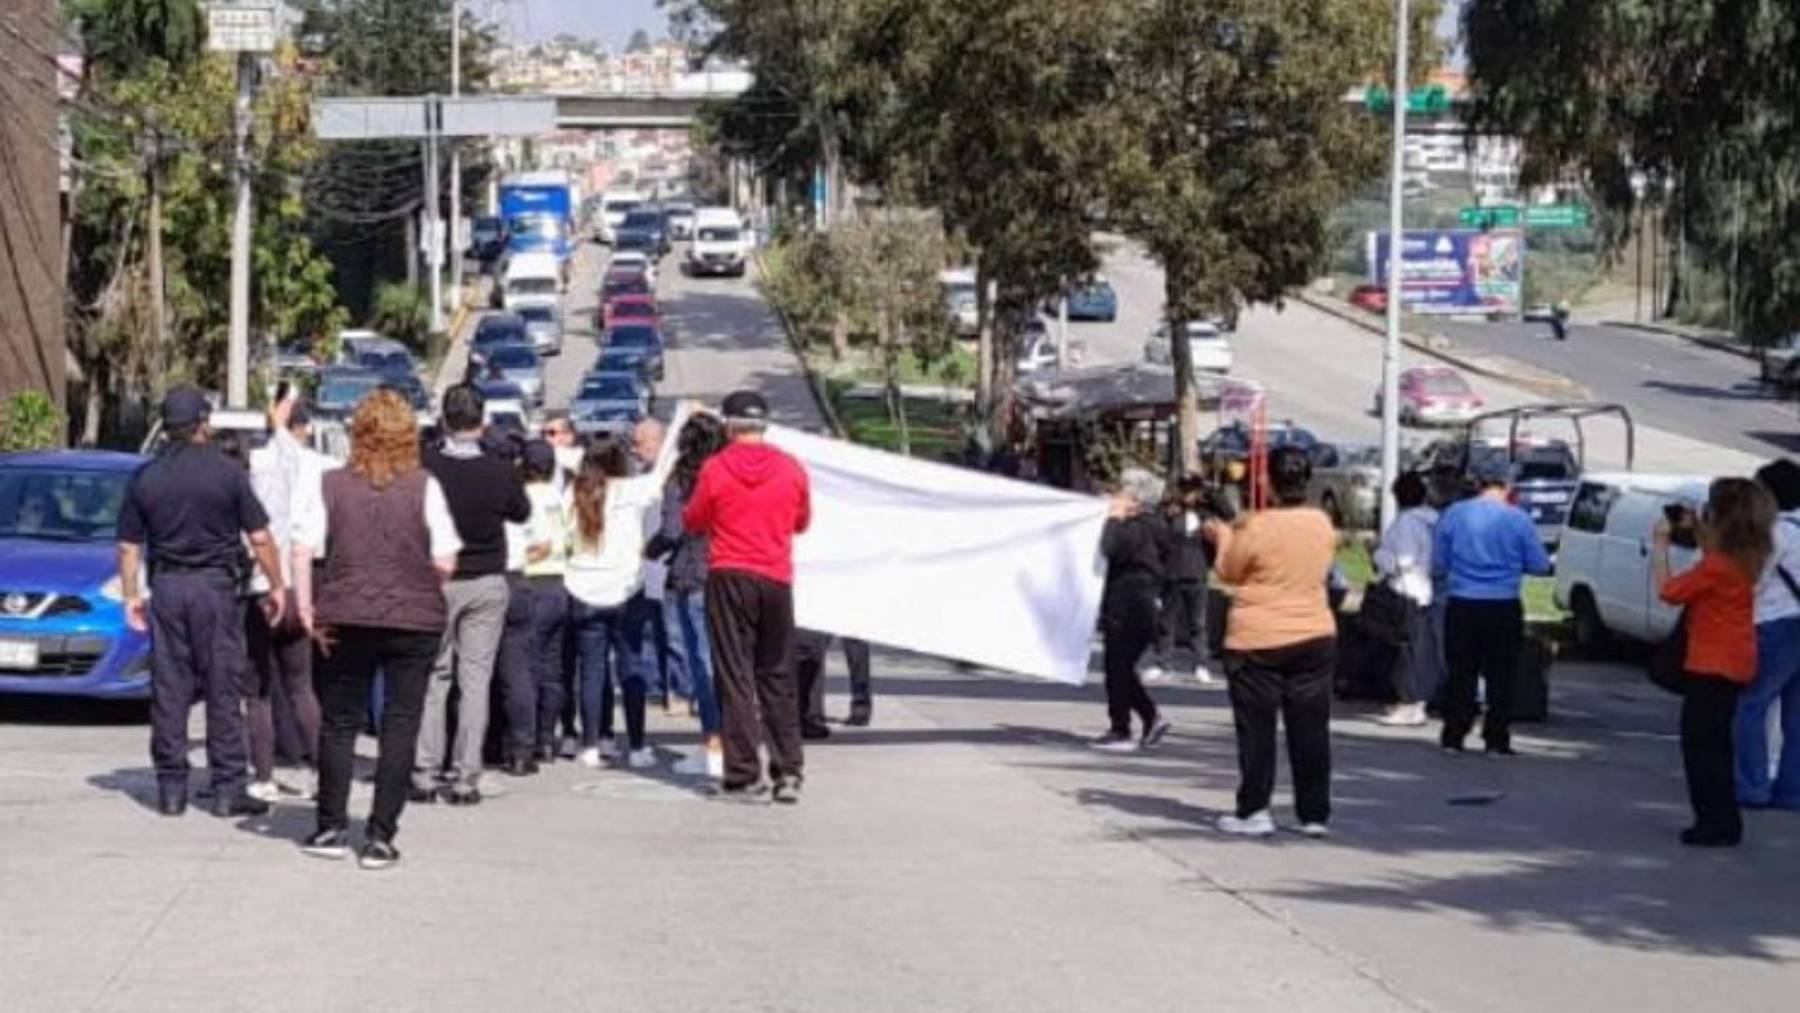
(751, 622)
(1416, 655)
(1296, 683)
(1183, 622)
(1708, 712)
(1482, 640)
(517, 672)
(552, 662)
(197, 651)
(281, 664)
(809, 666)
(343, 680)
(1131, 619)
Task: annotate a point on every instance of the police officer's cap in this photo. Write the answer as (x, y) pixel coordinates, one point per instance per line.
(185, 406)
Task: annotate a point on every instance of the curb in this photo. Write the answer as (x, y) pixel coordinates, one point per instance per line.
(1716, 344)
(456, 339)
(1560, 387)
(814, 383)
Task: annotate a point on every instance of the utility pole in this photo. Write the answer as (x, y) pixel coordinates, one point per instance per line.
(237, 349)
(1390, 357)
(434, 229)
(456, 247)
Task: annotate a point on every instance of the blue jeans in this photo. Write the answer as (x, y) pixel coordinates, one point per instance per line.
(608, 643)
(690, 654)
(1777, 681)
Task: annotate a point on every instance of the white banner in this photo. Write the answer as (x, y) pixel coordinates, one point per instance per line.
(946, 561)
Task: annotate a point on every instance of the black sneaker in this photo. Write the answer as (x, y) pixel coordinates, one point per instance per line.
(377, 855)
(238, 804)
(1501, 749)
(787, 791)
(743, 794)
(171, 801)
(420, 794)
(859, 717)
(521, 765)
(546, 755)
(815, 733)
(333, 843)
(462, 794)
(1154, 735)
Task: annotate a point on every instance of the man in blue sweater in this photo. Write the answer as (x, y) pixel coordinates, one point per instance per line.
(1484, 547)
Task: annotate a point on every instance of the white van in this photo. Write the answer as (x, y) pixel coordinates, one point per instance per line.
(720, 245)
(960, 301)
(1603, 560)
(531, 279)
(614, 206)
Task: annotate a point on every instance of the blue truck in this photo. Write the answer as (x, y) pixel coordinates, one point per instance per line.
(539, 211)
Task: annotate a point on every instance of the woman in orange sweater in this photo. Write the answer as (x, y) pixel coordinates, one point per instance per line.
(1280, 648)
(1735, 533)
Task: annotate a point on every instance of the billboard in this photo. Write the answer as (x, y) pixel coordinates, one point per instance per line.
(1455, 270)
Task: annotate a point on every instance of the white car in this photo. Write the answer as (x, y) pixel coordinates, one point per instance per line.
(636, 260)
(720, 245)
(1603, 555)
(1207, 344)
(531, 279)
(960, 301)
(614, 206)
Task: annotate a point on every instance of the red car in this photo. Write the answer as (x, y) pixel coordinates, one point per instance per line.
(619, 284)
(1434, 396)
(627, 307)
(1370, 297)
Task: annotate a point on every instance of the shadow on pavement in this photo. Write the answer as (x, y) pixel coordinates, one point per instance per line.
(63, 710)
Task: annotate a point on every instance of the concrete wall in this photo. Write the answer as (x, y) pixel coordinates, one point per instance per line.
(31, 245)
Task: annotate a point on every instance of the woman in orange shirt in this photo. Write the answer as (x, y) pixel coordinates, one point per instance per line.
(1735, 533)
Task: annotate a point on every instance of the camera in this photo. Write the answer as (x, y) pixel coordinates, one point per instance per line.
(1681, 525)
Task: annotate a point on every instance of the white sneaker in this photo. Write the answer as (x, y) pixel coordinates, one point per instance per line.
(609, 748)
(695, 764)
(1155, 673)
(590, 758)
(641, 759)
(264, 791)
(715, 764)
(1258, 824)
(1113, 742)
(1316, 831)
(1402, 716)
(1203, 675)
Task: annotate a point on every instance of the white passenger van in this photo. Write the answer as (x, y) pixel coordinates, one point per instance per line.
(1603, 559)
(531, 279)
(720, 245)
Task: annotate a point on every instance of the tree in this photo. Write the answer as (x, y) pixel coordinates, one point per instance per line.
(1236, 144)
(1689, 108)
(640, 42)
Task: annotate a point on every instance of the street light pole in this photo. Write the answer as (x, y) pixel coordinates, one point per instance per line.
(456, 252)
(1390, 358)
(237, 344)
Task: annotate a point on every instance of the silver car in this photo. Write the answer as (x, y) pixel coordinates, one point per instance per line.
(543, 328)
(518, 364)
(1346, 483)
(609, 402)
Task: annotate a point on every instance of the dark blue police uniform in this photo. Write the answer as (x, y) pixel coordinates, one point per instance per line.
(190, 509)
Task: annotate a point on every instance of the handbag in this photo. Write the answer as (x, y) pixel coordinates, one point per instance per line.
(1384, 612)
(1667, 666)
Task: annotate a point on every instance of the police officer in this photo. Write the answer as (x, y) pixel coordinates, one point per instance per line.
(189, 511)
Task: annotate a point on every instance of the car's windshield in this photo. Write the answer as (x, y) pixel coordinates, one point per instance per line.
(346, 390)
(719, 234)
(500, 390)
(1360, 457)
(1443, 383)
(607, 388)
(631, 337)
(643, 220)
(532, 286)
(538, 314)
(386, 362)
(61, 504)
(497, 330)
(536, 225)
(619, 207)
(410, 388)
(631, 284)
(514, 357)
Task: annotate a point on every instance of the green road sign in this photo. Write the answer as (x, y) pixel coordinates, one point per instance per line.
(1433, 98)
(1537, 216)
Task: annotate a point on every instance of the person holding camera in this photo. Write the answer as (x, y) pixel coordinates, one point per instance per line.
(1485, 547)
(1135, 543)
(1735, 534)
(1403, 559)
(1183, 621)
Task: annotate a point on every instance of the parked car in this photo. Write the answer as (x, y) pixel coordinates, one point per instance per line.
(520, 365)
(1346, 483)
(644, 228)
(960, 301)
(1037, 352)
(628, 307)
(1370, 297)
(1096, 300)
(609, 402)
(295, 358)
(1434, 396)
(487, 238)
(1779, 363)
(493, 330)
(1603, 562)
(1545, 476)
(342, 388)
(1206, 341)
(543, 328)
(251, 428)
(382, 355)
(62, 614)
(643, 340)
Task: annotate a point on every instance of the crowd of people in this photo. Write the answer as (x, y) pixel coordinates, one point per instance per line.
(479, 599)
(484, 600)
(1447, 598)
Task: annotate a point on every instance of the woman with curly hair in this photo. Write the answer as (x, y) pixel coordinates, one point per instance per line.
(385, 542)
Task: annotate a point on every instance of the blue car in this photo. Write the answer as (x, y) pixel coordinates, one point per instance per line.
(1096, 300)
(62, 619)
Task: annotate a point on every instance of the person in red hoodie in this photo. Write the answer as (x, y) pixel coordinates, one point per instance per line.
(751, 500)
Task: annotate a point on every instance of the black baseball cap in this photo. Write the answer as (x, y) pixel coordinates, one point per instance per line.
(745, 406)
(540, 456)
(185, 406)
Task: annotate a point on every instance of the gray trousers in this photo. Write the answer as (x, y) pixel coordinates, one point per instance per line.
(477, 617)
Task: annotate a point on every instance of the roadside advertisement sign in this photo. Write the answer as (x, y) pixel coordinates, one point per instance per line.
(1455, 270)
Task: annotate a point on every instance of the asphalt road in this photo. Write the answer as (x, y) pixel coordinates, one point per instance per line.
(1668, 383)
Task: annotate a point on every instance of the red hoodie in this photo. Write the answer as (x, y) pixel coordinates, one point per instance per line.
(751, 500)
